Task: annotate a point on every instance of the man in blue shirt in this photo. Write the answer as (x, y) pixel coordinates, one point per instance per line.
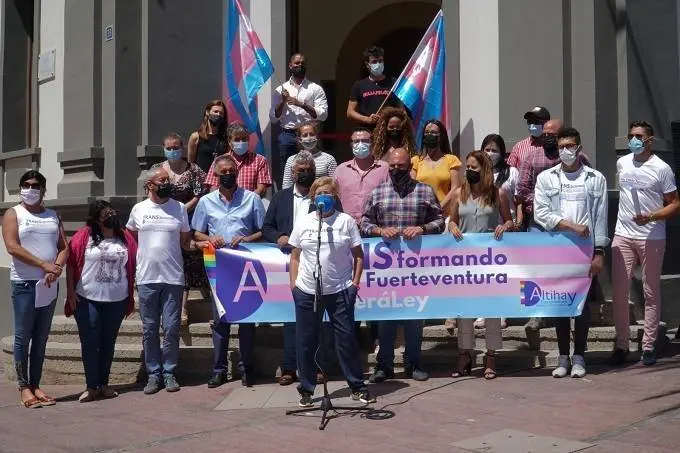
(226, 218)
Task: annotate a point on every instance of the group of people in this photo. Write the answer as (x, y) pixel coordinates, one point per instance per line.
(213, 194)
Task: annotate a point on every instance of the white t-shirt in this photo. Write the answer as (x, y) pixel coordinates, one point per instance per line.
(159, 254)
(509, 187)
(642, 186)
(339, 234)
(300, 205)
(574, 197)
(39, 234)
(104, 276)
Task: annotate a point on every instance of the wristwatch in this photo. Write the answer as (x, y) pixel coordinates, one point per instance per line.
(599, 251)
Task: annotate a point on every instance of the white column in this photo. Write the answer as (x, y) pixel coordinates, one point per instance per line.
(479, 72)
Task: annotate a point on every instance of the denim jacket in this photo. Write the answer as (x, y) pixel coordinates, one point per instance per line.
(547, 202)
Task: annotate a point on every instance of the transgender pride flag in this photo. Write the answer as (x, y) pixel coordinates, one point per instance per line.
(247, 68)
(422, 84)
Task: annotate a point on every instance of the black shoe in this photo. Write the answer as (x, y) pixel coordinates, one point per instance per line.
(380, 376)
(416, 374)
(248, 379)
(618, 357)
(216, 380)
(648, 358)
(363, 396)
(305, 400)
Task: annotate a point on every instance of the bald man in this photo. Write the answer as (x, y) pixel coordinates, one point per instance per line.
(400, 207)
(162, 227)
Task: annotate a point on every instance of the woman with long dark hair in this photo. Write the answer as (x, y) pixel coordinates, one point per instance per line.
(393, 130)
(100, 292)
(477, 207)
(210, 140)
(34, 237)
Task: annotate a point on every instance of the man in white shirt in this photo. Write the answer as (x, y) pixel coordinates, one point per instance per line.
(294, 103)
(647, 197)
(573, 197)
(161, 225)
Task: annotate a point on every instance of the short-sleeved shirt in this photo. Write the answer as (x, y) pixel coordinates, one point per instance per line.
(104, 275)
(339, 234)
(159, 254)
(370, 94)
(242, 216)
(436, 174)
(253, 169)
(355, 185)
(642, 186)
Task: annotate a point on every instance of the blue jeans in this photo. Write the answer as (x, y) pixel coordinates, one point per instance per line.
(246, 345)
(287, 145)
(340, 309)
(387, 332)
(160, 301)
(98, 325)
(31, 325)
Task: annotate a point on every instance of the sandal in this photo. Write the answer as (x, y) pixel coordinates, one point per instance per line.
(464, 364)
(480, 323)
(32, 403)
(44, 399)
(490, 366)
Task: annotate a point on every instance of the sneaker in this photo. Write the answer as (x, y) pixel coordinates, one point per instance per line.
(618, 357)
(87, 396)
(217, 379)
(578, 366)
(152, 386)
(363, 396)
(380, 376)
(563, 366)
(305, 400)
(416, 374)
(171, 384)
(648, 358)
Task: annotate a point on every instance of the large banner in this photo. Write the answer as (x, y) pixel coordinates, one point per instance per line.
(432, 277)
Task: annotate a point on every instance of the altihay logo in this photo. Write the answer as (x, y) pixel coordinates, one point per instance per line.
(532, 294)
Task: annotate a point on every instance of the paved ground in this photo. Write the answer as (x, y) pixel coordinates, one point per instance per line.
(634, 409)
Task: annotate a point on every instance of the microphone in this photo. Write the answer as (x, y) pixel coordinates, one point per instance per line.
(320, 207)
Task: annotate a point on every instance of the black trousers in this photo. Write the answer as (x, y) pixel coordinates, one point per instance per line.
(581, 326)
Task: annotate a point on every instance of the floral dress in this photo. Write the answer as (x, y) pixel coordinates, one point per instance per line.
(185, 187)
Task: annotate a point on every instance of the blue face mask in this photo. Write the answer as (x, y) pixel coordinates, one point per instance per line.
(173, 154)
(636, 146)
(536, 130)
(326, 202)
(240, 148)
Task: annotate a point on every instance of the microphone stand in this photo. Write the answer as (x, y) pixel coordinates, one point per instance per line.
(326, 404)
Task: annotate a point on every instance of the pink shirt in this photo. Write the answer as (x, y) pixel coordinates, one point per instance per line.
(522, 150)
(355, 185)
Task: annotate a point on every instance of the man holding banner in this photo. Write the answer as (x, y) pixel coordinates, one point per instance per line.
(401, 207)
(573, 197)
(229, 216)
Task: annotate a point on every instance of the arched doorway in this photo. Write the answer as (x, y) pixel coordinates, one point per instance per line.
(398, 28)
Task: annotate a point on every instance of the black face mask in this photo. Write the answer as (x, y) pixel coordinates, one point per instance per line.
(228, 181)
(299, 71)
(401, 179)
(550, 145)
(472, 176)
(164, 190)
(305, 178)
(431, 141)
(216, 120)
(112, 222)
(394, 134)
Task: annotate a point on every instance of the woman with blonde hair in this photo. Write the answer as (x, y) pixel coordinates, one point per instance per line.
(210, 140)
(476, 207)
(393, 130)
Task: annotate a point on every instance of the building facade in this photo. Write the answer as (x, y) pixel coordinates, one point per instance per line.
(88, 88)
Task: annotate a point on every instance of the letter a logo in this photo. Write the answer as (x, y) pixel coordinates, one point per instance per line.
(249, 270)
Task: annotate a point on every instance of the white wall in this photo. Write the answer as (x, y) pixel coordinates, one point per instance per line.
(479, 72)
(51, 95)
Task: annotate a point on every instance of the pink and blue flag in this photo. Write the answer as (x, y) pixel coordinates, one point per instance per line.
(247, 69)
(421, 87)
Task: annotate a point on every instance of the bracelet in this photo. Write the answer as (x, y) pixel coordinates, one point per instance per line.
(652, 217)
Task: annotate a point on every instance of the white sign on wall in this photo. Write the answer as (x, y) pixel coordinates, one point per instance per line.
(46, 65)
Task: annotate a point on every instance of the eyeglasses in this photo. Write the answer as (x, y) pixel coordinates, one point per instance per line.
(34, 185)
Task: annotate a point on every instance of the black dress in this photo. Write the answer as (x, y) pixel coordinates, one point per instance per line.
(207, 150)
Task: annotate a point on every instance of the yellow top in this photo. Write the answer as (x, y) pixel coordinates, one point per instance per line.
(436, 174)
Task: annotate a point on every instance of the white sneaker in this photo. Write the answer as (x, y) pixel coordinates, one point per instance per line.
(578, 369)
(563, 366)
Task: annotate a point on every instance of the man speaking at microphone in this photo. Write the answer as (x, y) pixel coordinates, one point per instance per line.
(342, 258)
(407, 208)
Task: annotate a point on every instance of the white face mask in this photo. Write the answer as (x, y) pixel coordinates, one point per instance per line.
(30, 197)
(309, 143)
(377, 69)
(494, 156)
(361, 150)
(568, 155)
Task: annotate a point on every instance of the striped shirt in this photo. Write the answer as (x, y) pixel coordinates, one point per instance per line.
(386, 208)
(324, 164)
(522, 149)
